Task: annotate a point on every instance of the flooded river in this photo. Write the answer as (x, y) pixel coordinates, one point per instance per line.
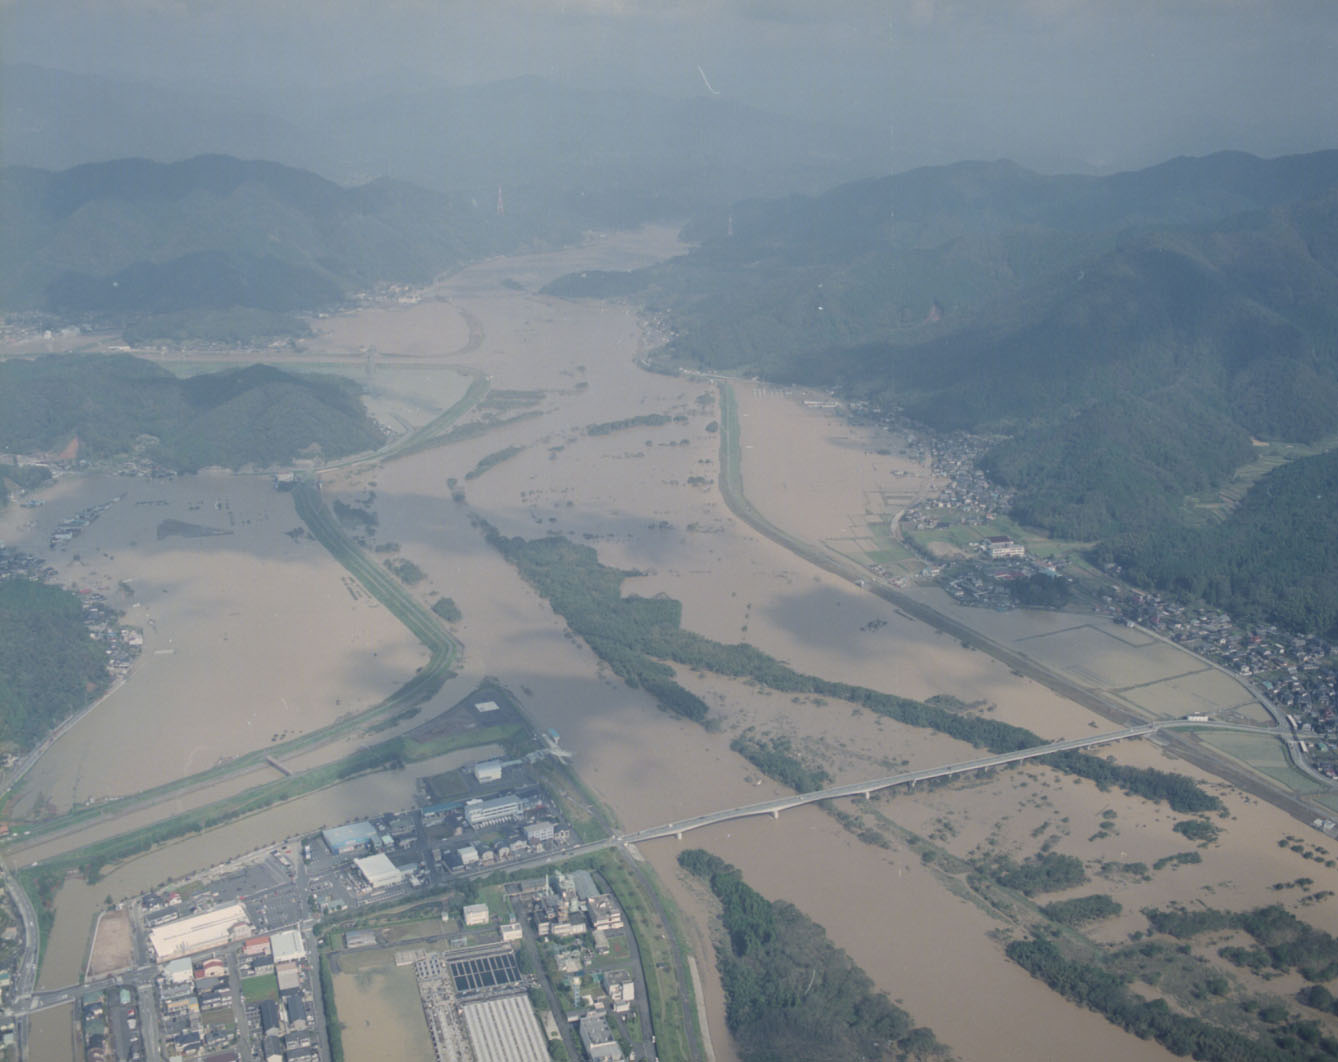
(645, 497)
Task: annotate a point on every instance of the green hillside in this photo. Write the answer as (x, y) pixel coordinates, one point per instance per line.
(1063, 310)
(823, 289)
(117, 404)
(1274, 559)
(49, 667)
(1142, 377)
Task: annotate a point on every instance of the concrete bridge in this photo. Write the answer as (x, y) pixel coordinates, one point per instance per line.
(873, 785)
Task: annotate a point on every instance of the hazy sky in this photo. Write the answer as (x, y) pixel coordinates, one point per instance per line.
(1090, 83)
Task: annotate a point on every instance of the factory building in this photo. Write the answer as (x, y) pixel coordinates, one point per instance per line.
(505, 1030)
(597, 1038)
(256, 946)
(621, 989)
(604, 913)
(202, 932)
(483, 813)
(1000, 547)
(378, 871)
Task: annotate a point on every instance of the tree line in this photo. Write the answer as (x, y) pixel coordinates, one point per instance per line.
(775, 758)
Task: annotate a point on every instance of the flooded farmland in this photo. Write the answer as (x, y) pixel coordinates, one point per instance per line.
(646, 498)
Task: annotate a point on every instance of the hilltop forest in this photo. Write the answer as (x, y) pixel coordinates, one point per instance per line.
(49, 667)
(114, 405)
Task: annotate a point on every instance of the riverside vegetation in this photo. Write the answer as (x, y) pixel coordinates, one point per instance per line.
(635, 636)
(789, 992)
(1284, 942)
(1251, 1029)
(1092, 985)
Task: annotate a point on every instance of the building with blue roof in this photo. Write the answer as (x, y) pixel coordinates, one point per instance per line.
(353, 837)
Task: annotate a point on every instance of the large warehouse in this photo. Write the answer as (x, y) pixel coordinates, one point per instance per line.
(286, 945)
(379, 871)
(202, 932)
(505, 1030)
(353, 837)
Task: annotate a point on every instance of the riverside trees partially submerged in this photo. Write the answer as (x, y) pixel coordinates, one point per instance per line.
(790, 993)
(635, 636)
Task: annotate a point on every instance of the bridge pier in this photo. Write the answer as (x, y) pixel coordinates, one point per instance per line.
(679, 835)
(775, 813)
(868, 794)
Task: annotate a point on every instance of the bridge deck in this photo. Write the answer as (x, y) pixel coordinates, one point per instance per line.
(778, 804)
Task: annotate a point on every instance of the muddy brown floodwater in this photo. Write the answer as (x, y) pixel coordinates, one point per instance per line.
(646, 498)
(51, 1035)
(251, 634)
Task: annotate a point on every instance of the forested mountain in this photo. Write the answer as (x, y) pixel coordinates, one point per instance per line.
(799, 285)
(1128, 333)
(1138, 375)
(123, 240)
(117, 404)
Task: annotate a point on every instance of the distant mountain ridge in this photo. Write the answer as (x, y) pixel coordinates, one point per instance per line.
(606, 157)
(55, 119)
(982, 295)
(925, 207)
(134, 237)
(803, 283)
